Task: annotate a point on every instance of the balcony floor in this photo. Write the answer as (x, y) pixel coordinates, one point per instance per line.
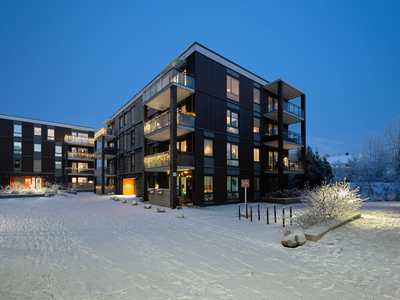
(164, 133)
(167, 169)
(286, 145)
(288, 118)
(161, 100)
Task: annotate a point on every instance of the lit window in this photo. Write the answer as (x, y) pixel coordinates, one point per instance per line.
(38, 148)
(232, 186)
(256, 125)
(58, 151)
(232, 121)
(58, 165)
(256, 154)
(17, 148)
(17, 130)
(256, 95)
(50, 134)
(38, 131)
(208, 148)
(232, 154)
(181, 146)
(232, 88)
(208, 188)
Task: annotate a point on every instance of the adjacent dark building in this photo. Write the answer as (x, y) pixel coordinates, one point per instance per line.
(197, 129)
(34, 152)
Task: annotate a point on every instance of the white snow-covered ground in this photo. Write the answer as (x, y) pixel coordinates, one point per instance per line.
(89, 247)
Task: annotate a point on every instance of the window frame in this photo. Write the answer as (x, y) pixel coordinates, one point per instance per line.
(37, 131)
(58, 163)
(232, 161)
(50, 137)
(256, 154)
(229, 123)
(37, 148)
(229, 88)
(231, 192)
(20, 147)
(255, 92)
(256, 129)
(211, 147)
(16, 132)
(208, 193)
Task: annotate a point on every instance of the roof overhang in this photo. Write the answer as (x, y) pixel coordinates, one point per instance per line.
(109, 122)
(289, 91)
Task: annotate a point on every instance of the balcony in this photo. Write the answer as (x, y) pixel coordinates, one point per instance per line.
(291, 113)
(80, 156)
(109, 134)
(109, 153)
(291, 140)
(107, 189)
(160, 162)
(78, 140)
(158, 129)
(157, 96)
(81, 186)
(108, 172)
(80, 171)
(289, 167)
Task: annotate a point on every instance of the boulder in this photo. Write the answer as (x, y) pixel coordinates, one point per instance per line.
(180, 214)
(116, 199)
(123, 201)
(111, 198)
(147, 206)
(134, 202)
(160, 210)
(294, 239)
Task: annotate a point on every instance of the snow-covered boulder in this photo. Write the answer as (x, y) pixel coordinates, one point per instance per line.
(134, 202)
(111, 198)
(294, 239)
(160, 210)
(123, 201)
(180, 213)
(147, 206)
(116, 199)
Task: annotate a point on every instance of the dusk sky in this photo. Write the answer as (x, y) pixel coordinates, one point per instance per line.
(77, 62)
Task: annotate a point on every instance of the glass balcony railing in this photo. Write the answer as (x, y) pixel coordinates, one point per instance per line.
(288, 136)
(80, 170)
(106, 150)
(107, 171)
(163, 160)
(287, 107)
(78, 139)
(288, 165)
(80, 155)
(104, 130)
(164, 120)
(172, 75)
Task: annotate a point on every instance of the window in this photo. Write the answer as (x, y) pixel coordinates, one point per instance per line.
(273, 161)
(37, 165)
(133, 139)
(58, 151)
(256, 155)
(50, 134)
(133, 115)
(17, 165)
(17, 148)
(208, 147)
(232, 187)
(38, 131)
(208, 188)
(126, 164)
(38, 148)
(120, 122)
(117, 146)
(58, 165)
(232, 121)
(181, 145)
(232, 88)
(232, 154)
(256, 125)
(256, 95)
(256, 184)
(272, 129)
(126, 118)
(272, 104)
(132, 163)
(17, 130)
(125, 142)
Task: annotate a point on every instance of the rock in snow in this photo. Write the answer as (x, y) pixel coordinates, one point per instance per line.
(116, 199)
(160, 210)
(123, 201)
(147, 206)
(134, 202)
(294, 239)
(180, 214)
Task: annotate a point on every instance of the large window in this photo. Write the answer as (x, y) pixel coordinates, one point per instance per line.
(256, 95)
(17, 130)
(58, 165)
(50, 134)
(208, 148)
(256, 155)
(125, 142)
(232, 154)
(58, 151)
(132, 163)
(38, 130)
(273, 160)
(256, 125)
(133, 140)
(232, 121)
(232, 88)
(121, 120)
(38, 148)
(126, 118)
(181, 146)
(17, 148)
(232, 187)
(133, 115)
(208, 188)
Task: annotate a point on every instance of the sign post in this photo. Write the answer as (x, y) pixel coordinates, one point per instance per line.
(245, 185)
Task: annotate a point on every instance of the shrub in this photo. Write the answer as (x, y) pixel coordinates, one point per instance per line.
(285, 193)
(328, 201)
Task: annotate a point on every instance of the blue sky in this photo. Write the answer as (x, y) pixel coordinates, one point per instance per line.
(77, 62)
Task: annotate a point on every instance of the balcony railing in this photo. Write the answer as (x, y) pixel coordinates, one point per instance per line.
(106, 150)
(82, 186)
(288, 136)
(107, 189)
(78, 139)
(287, 107)
(172, 75)
(80, 155)
(164, 120)
(82, 171)
(107, 171)
(104, 130)
(163, 160)
(288, 165)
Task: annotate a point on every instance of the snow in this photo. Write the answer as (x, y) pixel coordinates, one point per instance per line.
(87, 247)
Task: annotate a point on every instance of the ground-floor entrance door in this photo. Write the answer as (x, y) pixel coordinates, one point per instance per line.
(128, 186)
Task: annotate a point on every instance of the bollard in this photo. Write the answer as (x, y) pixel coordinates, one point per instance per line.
(239, 211)
(267, 211)
(283, 214)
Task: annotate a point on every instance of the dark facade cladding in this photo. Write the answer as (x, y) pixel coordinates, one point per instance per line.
(34, 152)
(200, 127)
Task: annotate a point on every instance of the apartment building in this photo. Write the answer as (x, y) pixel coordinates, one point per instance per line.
(34, 152)
(197, 129)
